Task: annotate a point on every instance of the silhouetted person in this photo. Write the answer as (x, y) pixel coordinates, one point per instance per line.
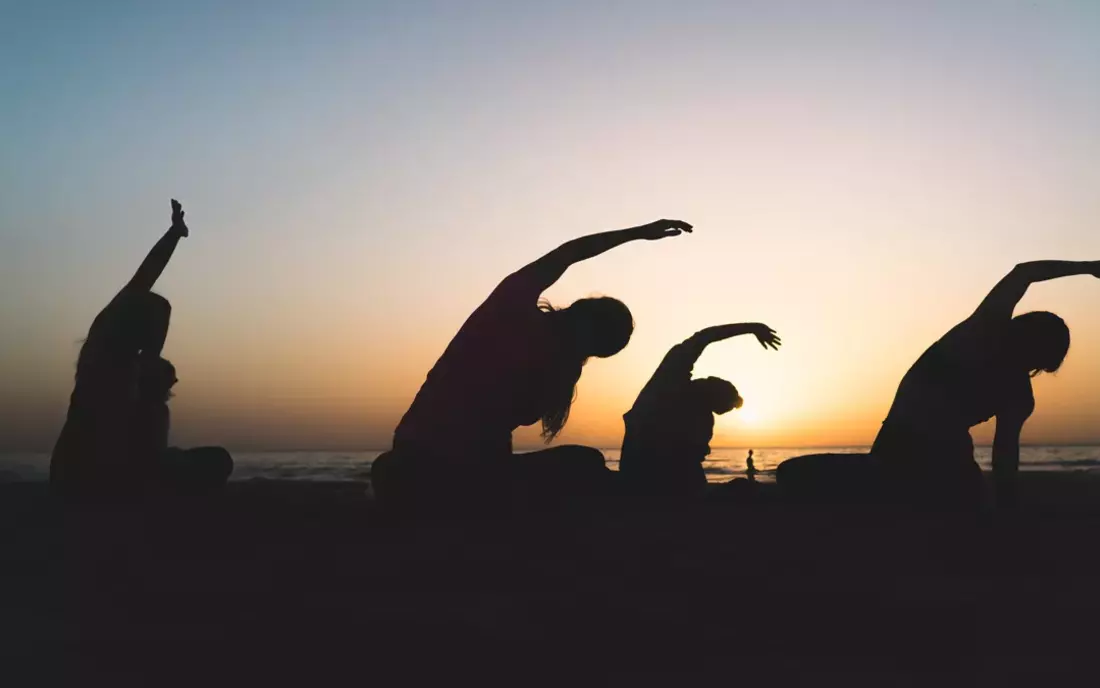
(182, 471)
(669, 428)
(980, 369)
(750, 468)
(94, 454)
(515, 361)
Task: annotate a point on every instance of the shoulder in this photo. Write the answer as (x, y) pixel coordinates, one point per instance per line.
(976, 329)
(976, 338)
(516, 292)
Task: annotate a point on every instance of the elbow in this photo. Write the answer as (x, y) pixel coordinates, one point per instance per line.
(1023, 271)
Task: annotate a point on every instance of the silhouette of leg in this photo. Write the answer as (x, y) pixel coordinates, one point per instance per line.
(550, 474)
(195, 471)
(833, 479)
(382, 478)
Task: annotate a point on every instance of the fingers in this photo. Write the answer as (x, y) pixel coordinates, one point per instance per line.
(770, 340)
(679, 225)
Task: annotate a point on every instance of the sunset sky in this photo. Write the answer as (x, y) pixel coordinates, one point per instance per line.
(358, 176)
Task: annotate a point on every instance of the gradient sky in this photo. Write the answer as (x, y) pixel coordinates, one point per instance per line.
(359, 175)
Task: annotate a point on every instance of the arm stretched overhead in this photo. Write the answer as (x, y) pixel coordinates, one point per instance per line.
(699, 341)
(678, 363)
(154, 263)
(1002, 300)
(549, 268)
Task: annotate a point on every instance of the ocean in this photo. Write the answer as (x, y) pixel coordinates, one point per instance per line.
(723, 464)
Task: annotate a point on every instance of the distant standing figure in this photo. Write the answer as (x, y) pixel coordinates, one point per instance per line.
(669, 428)
(515, 361)
(750, 469)
(96, 451)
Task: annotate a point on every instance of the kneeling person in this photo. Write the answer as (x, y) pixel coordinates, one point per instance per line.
(669, 428)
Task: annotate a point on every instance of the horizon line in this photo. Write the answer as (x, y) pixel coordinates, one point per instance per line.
(346, 450)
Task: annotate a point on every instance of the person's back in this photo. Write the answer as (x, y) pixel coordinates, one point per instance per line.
(665, 445)
(91, 452)
(464, 403)
(955, 384)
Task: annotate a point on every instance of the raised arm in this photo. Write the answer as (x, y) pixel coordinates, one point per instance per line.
(549, 269)
(154, 263)
(696, 343)
(1002, 300)
(678, 363)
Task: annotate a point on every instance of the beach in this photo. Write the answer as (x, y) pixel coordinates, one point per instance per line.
(279, 581)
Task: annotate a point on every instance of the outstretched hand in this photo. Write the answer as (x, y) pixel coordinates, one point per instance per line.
(766, 336)
(662, 228)
(177, 219)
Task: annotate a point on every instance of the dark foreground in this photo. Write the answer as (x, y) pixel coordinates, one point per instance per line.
(300, 583)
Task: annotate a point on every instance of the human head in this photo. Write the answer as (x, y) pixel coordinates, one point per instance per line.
(1039, 341)
(156, 377)
(597, 326)
(716, 394)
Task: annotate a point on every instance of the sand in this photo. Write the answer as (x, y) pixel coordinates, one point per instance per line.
(306, 583)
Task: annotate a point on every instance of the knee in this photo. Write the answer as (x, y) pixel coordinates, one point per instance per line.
(380, 471)
(391, 477)
(220, 462)
(791, 469)
(588, 458)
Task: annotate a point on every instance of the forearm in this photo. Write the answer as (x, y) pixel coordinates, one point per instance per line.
(1043, 270)
(717, 333)
(593, 245)
(705, 337)
(155, 262)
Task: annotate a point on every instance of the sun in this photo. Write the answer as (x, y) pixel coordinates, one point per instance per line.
(745, 416)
